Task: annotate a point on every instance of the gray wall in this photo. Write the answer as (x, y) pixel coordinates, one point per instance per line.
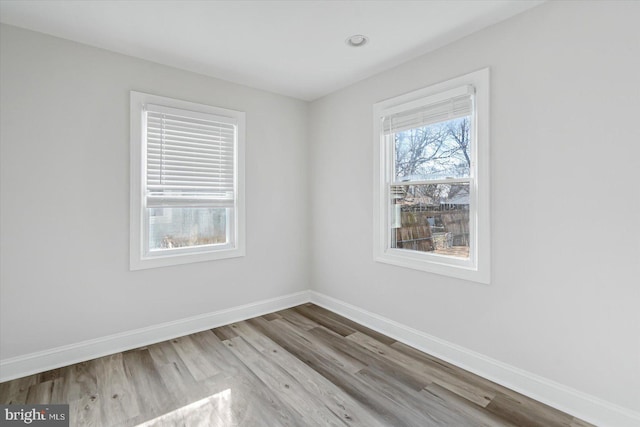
(565, 296)
(65, 197)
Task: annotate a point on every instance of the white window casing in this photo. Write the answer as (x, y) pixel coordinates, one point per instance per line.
(184, 155)
(464, 96)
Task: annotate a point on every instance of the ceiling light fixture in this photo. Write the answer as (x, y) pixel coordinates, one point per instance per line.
(357, 40)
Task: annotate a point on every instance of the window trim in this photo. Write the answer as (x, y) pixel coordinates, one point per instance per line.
(477, 268)
(138, 225)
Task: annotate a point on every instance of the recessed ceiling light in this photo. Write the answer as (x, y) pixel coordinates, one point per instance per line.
(357, 40)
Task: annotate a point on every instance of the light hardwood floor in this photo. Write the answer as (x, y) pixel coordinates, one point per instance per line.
(304, 366)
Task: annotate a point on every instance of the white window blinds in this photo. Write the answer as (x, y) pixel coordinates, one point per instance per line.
(457, 103)
(190, 158)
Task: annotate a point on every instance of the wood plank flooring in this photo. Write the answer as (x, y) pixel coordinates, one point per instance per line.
(304, 366)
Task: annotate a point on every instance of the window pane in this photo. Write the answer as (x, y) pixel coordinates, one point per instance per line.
(436, 151)
(431, 218)
(186, 227)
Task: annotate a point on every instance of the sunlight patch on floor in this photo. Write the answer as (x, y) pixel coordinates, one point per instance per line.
(214, 410)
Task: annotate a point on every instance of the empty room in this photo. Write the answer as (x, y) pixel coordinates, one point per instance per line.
(320, 213)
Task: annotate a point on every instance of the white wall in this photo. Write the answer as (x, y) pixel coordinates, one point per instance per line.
(65, 197)
(564, 301)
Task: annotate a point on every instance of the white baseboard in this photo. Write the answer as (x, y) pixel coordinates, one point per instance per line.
(566, 399)
(41, 361)
(571, 401)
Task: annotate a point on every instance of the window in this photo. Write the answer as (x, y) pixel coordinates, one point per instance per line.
(431, 189)
(187, 169)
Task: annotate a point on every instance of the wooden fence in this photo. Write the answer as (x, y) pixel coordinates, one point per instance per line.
(417, 234)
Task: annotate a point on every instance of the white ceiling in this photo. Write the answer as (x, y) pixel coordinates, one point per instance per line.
(295, 48)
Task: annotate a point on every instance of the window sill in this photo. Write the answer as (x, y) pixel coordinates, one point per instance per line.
(186, 258)
(437, 264)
